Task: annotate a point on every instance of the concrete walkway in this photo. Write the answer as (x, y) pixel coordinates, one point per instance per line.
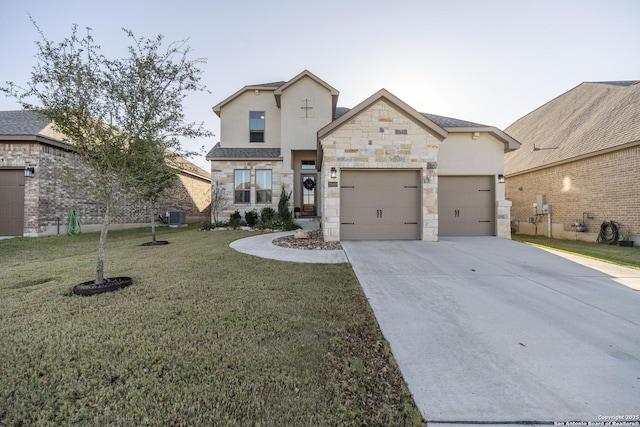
(262, 246)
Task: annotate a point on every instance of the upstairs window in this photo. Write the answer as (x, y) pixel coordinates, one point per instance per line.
(256, 126)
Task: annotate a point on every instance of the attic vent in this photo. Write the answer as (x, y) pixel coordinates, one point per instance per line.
(401, 131)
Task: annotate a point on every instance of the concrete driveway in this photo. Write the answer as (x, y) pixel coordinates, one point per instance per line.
(487, 330)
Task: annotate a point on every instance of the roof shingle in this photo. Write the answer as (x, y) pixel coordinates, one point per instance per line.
(441, 121)
(217, 152)
(21, 122)
(589, 118)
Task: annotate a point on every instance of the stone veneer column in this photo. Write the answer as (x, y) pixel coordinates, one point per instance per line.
(503, 213)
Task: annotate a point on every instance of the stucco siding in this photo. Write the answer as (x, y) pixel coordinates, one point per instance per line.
(460, 154)
(234, 120)
(300, 125)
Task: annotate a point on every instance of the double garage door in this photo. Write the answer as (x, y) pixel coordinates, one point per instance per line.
(386, 205)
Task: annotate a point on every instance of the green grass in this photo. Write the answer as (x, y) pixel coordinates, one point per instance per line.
(205, 336)
(628, 257)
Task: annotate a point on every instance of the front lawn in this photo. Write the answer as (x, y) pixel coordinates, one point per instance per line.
(205, 336)
(627, 257)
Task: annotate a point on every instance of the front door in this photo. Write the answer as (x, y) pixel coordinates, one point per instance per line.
(308, 194)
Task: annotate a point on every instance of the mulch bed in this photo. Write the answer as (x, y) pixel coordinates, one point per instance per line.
(314, 242)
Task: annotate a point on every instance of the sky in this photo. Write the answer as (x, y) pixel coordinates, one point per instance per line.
(485, 61)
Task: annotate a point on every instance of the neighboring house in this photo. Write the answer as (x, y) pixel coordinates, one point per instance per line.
(381, 170)
(36, 195)
(581, 151)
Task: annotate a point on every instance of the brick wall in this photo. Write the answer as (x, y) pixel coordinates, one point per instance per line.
(57, 187)
(191, 194)
(606, 186)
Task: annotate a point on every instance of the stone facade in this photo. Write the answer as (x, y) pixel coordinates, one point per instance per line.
(57, 187)
(223, 171)
(380, 137)
(597, 189)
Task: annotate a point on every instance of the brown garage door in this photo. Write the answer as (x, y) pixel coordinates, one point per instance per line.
(465, 206)
(380, 205)
(11, 202)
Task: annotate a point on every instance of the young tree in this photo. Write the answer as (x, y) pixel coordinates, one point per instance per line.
(155, 172)
(219, 201)
(120, 114)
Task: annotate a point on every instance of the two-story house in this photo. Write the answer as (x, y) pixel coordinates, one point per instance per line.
(380, 170)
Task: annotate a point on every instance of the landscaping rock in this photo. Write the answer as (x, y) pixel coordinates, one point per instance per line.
(299, 234)
(315, 241)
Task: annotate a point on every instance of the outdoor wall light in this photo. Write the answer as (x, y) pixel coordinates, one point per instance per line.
(29, 171)
(334, 173)
(501, 179)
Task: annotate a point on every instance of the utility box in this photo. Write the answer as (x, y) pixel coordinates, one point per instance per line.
(176, 217)
(541, 200)
(546, 209)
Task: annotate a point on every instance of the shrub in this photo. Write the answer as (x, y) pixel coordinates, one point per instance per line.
(207, 225)
(267, 215)
(235, 220)
(251, 217)
(283, 205)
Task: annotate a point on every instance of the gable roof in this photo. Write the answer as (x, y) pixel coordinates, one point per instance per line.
(306, 73)
(383, 94)
(261, 86)
(590, 119)
(278, 88)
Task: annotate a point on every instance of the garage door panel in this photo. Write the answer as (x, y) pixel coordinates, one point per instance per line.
(465, 206)
(380, 205)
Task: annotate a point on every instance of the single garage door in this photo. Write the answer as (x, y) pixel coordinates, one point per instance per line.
(380, 205)
(11, 202)
(465, 206)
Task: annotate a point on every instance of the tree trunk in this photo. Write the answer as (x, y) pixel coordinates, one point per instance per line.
(153, 223)
(102, 246)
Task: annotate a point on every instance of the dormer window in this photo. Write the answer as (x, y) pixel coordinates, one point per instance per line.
(256, 126)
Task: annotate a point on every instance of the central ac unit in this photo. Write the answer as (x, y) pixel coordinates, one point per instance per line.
(176, 217)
